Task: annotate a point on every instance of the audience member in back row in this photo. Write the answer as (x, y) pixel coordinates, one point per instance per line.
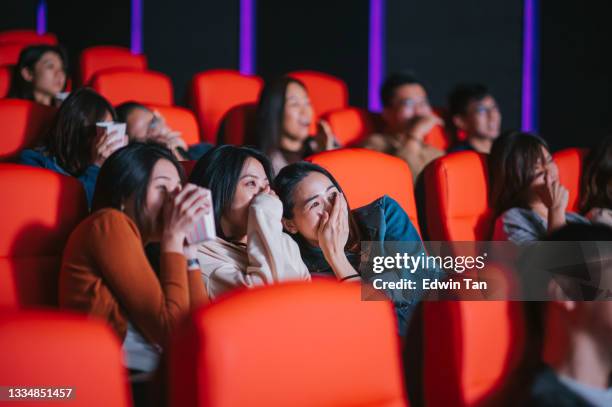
(283, 120)
(597, 184)
(40, 74)
(408, 118)
(74, 145)
(144, 124)
(105, 272)
(330, 235)
(474, 111)
(576, 325)
(527, 197)
(251, 248)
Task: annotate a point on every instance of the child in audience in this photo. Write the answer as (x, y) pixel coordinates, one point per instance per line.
(597, 184)
(526, 195)
(283, 119)
(144, 124)
(474, 111)
(105, 272)
(40, 74)
(251, 248)
(330, 235)
(408, 118)
(74, 145)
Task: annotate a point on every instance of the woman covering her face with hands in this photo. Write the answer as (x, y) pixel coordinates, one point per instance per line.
(139, 199)
(333, 239)
(251, 248)
(527, 197)
(75, 145)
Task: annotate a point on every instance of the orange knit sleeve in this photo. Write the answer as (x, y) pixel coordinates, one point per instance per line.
(153, 305)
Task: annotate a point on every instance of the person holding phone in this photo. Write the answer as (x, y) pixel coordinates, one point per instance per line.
(251, 248)
(528, 200)
(75, 145)
(283, 118)
(139, 199)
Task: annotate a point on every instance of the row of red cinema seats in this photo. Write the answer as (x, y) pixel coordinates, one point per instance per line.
(215, 96)
(483, 339)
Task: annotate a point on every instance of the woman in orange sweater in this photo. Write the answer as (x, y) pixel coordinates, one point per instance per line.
(105, 272)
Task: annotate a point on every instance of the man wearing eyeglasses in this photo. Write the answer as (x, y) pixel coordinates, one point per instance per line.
(476, 116)
(408, 118)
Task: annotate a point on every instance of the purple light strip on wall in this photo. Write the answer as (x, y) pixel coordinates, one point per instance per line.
(41, 17)
(247, 37)
(530, 66)
(136, 37)
(376, 60)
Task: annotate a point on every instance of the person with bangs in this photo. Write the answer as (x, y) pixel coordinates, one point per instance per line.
(40, 75)
(74, 145)
(251, 248)
(283, 120)
(527, 198)
(336, 242)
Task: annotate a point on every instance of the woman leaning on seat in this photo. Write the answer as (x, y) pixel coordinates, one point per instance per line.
(105, 272)
(251, 248)
(330, 236)
(74, 145)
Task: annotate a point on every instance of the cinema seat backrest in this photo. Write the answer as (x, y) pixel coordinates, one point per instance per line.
(327, 92)
(27, 37)
(50, 349)
(5, 80)
(437, 138)
(570, 163)
(182, 120)
(120, 85)
(239, 125)
(39, 211)
(97, 59)
(366, 175)
(350, 125)
(9, 53)
(456, 196)
(24, 123)
(213, 93)
(308, 344)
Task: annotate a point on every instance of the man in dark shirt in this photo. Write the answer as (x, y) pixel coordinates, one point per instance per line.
(473, 111)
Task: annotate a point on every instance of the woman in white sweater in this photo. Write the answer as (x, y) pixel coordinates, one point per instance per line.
(251, 248)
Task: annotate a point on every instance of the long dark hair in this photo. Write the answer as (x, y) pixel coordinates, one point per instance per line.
(597, 176)
(269, 113)
(71, 137)
(289, 178)
(513, 158)
(219, 170)
(29, 56)
(126, 173)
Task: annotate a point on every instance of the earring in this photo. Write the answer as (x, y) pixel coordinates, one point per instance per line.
(122, 209)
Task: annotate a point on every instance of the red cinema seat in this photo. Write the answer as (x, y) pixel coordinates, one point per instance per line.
(9, 53)
(188, 166)
(96, 59)
(570, 163)
(27, 37)
(350, 125)
(437, 138)
(366, 175)
(239, 125)
(457, 196)
(24, 123)
(50, 349)
(39, 211)
(326, 92)
(308, 344)
(182, 120)
(5, 80)
(122, 85)
(213, 93)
